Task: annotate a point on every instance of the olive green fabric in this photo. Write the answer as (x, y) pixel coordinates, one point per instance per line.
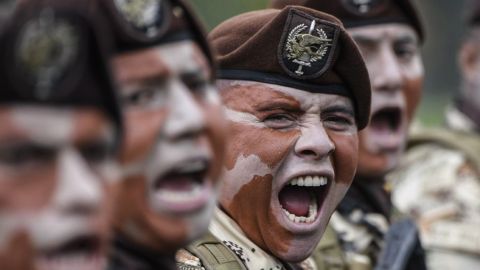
(328, 255)
(214, 255)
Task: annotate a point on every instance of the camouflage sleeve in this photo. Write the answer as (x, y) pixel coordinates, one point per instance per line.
(187, 261)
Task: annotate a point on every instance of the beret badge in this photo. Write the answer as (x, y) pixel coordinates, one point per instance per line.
(365, 7)
(147, 18)
(307, 46)
(46, 47)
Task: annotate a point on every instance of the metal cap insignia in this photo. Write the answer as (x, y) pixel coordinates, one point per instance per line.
(307, 46)
(365, 7)
(146, 19)
(45, 49)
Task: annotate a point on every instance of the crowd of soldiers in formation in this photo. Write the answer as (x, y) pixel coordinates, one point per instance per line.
(131, 139)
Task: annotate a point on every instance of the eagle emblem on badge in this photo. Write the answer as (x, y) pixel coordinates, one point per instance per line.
(307, 45)
(144, 15)
(307, 48)
(46, 47)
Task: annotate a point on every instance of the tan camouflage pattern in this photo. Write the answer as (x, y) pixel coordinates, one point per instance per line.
(438, 183)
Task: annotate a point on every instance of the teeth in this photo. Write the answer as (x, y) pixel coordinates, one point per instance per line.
(194, 166)
(312, 213)
(180, 197)
(309, 181)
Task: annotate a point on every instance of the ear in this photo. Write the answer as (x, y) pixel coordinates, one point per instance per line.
(469, 60)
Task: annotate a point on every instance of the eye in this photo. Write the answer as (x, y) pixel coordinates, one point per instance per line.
(280, 121)
(405, 52)
(339, 122)
(96, 152)
(139, 97)
(26, 155)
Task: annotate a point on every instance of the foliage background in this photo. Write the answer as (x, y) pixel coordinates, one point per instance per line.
(444, 20)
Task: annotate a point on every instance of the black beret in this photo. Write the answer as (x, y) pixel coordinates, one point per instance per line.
(366, 12)
(141, 24)
(472, 8)
(51, 54)
(296, 47)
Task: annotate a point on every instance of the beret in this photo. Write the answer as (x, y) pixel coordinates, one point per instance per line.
(365, 12)
(296, 47)
(472, 8)
(50, 54)
(138, 24)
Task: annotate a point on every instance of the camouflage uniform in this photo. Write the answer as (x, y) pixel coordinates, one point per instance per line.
(438, 183)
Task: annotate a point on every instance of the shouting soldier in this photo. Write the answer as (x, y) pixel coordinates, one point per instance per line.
(296, 92)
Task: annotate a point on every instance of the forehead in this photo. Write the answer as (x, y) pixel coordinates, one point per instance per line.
(382, 32)
(263, 93)
(52, 125)
(160, 61)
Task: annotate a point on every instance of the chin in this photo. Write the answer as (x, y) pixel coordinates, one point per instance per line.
(299, 249)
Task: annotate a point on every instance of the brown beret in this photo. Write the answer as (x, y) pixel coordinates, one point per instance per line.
(141, 24)
(296, 47)
(366, 12)
(51, 54)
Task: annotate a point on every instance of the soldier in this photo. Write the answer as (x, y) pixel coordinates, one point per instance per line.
(174, 132)
(389, 34)
(61, 127)
(438, 182)
(296, 92)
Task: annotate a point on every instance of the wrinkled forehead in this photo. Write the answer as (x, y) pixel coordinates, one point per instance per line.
(159, 62)
(258, 94)
(53, 126)
(384, 32)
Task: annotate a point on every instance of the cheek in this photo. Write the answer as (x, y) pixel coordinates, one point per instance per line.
(18, 253)
(134, 219)
(345, 157)
(413, 88)
(216, 133)
(141, 133)
(27, 191)
(259, 224)
(268, 145)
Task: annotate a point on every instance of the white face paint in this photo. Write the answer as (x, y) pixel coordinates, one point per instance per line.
(392, 55)
(53, 184)
(178, 152)
(290, 161)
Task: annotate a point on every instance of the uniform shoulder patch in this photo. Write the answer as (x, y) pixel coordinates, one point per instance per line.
(365, 7)
(143, 19)
(307, 47)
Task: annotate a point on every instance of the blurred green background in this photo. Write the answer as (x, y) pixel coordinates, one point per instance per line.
(444, 21)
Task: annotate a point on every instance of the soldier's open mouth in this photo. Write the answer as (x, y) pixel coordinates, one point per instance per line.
(302, 197)
(387, 128)
(386, 120)
(79, 253)
(184, 187)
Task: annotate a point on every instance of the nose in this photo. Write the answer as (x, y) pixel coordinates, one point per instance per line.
(387, 73)
(186, 118)
(314, 143)
(79, 190)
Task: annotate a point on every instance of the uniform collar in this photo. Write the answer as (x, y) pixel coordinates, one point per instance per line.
(458, 121)
(232, 236)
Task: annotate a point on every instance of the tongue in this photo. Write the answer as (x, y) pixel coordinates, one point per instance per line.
(295, 200)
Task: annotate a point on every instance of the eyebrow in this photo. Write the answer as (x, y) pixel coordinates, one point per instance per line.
(277, 104)
(340, 109)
